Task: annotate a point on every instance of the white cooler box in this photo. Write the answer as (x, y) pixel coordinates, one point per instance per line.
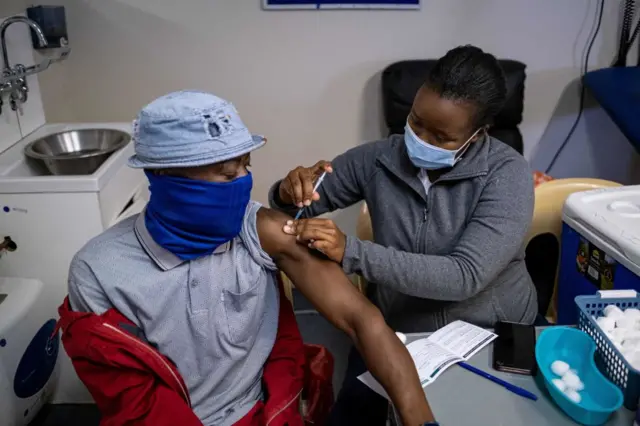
(600, 245)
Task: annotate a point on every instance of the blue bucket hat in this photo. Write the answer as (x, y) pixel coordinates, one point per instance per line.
(189, 129)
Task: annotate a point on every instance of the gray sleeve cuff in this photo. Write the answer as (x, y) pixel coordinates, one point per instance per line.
(85, 292)
(276, 204)
(351, 259)
(250, 238)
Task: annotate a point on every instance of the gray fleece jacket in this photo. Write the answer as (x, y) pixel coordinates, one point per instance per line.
(453, 253)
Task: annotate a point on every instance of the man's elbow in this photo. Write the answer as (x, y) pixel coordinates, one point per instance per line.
(368, 319)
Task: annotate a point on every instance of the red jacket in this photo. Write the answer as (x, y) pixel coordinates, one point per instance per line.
(133, 384)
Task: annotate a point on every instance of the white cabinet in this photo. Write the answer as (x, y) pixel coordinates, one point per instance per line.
(9, 129)
(50, 218)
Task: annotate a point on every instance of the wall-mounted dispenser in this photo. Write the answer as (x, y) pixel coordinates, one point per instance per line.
(53, 23)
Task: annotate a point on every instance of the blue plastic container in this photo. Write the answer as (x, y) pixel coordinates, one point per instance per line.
(600, 398)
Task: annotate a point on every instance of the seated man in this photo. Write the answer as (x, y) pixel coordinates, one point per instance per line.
(196, 271)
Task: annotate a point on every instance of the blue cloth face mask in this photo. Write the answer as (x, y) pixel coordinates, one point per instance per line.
(429, 157)
(191, 218)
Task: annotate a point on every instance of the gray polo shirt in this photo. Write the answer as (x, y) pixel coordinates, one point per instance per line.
(215, 317)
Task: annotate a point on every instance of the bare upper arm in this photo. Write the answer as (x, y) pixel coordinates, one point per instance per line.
(281, 246)
(320, 280)
(273, 240)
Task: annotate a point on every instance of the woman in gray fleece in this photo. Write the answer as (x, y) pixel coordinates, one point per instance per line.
(450, 207)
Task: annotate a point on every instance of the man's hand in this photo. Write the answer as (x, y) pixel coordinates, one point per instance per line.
(324, 284)
(297, 187)
(320, 234)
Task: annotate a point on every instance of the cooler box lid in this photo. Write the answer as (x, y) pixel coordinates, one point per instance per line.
(609, 218)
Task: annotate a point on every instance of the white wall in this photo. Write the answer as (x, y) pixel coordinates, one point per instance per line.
(11, 7)
(309, 80)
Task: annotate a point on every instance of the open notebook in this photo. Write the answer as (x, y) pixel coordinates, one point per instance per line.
(451, 344)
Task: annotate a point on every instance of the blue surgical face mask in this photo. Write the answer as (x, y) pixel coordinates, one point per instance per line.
(191, 218)
(429, 157)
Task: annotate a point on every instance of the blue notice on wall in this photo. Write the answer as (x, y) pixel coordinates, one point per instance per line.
(341, 4)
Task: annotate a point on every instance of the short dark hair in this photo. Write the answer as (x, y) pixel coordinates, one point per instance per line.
(468, 74)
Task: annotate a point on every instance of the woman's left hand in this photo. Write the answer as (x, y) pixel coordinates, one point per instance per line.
(320, 234)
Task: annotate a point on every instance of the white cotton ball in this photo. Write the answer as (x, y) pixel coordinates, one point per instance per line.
(618, 346)
(631, 345)
(618, 335)
(630, 335)
(633, 358)
(402, 337)
(559, 368)
(578, 386)
(621, 332)
(573, 396)
(573, 381)
(635, 361)
(562, 386)
(627, 323)
(627, 351)
(606, 324)
(612, 311)
(632, 313)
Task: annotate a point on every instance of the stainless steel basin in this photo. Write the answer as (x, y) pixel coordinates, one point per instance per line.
(76, 152)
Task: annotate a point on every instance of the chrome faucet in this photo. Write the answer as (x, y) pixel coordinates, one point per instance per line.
(14, 79)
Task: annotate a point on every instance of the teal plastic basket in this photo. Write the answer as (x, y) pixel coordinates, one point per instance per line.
(600, 397)
(608, 358)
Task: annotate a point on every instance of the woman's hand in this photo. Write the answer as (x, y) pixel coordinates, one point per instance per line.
(320, 234)
(297, 187)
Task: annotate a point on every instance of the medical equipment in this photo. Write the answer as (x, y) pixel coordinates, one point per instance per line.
(28, 352)
(315, 188)
(49, 218)
(560, 384)
(610, 351)
(599, 398)
(573, 381)
(560, 368)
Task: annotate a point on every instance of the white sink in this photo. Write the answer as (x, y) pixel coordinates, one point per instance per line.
(21, 175)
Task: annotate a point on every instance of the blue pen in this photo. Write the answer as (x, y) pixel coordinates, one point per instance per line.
(513, 388)
(315, 188)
